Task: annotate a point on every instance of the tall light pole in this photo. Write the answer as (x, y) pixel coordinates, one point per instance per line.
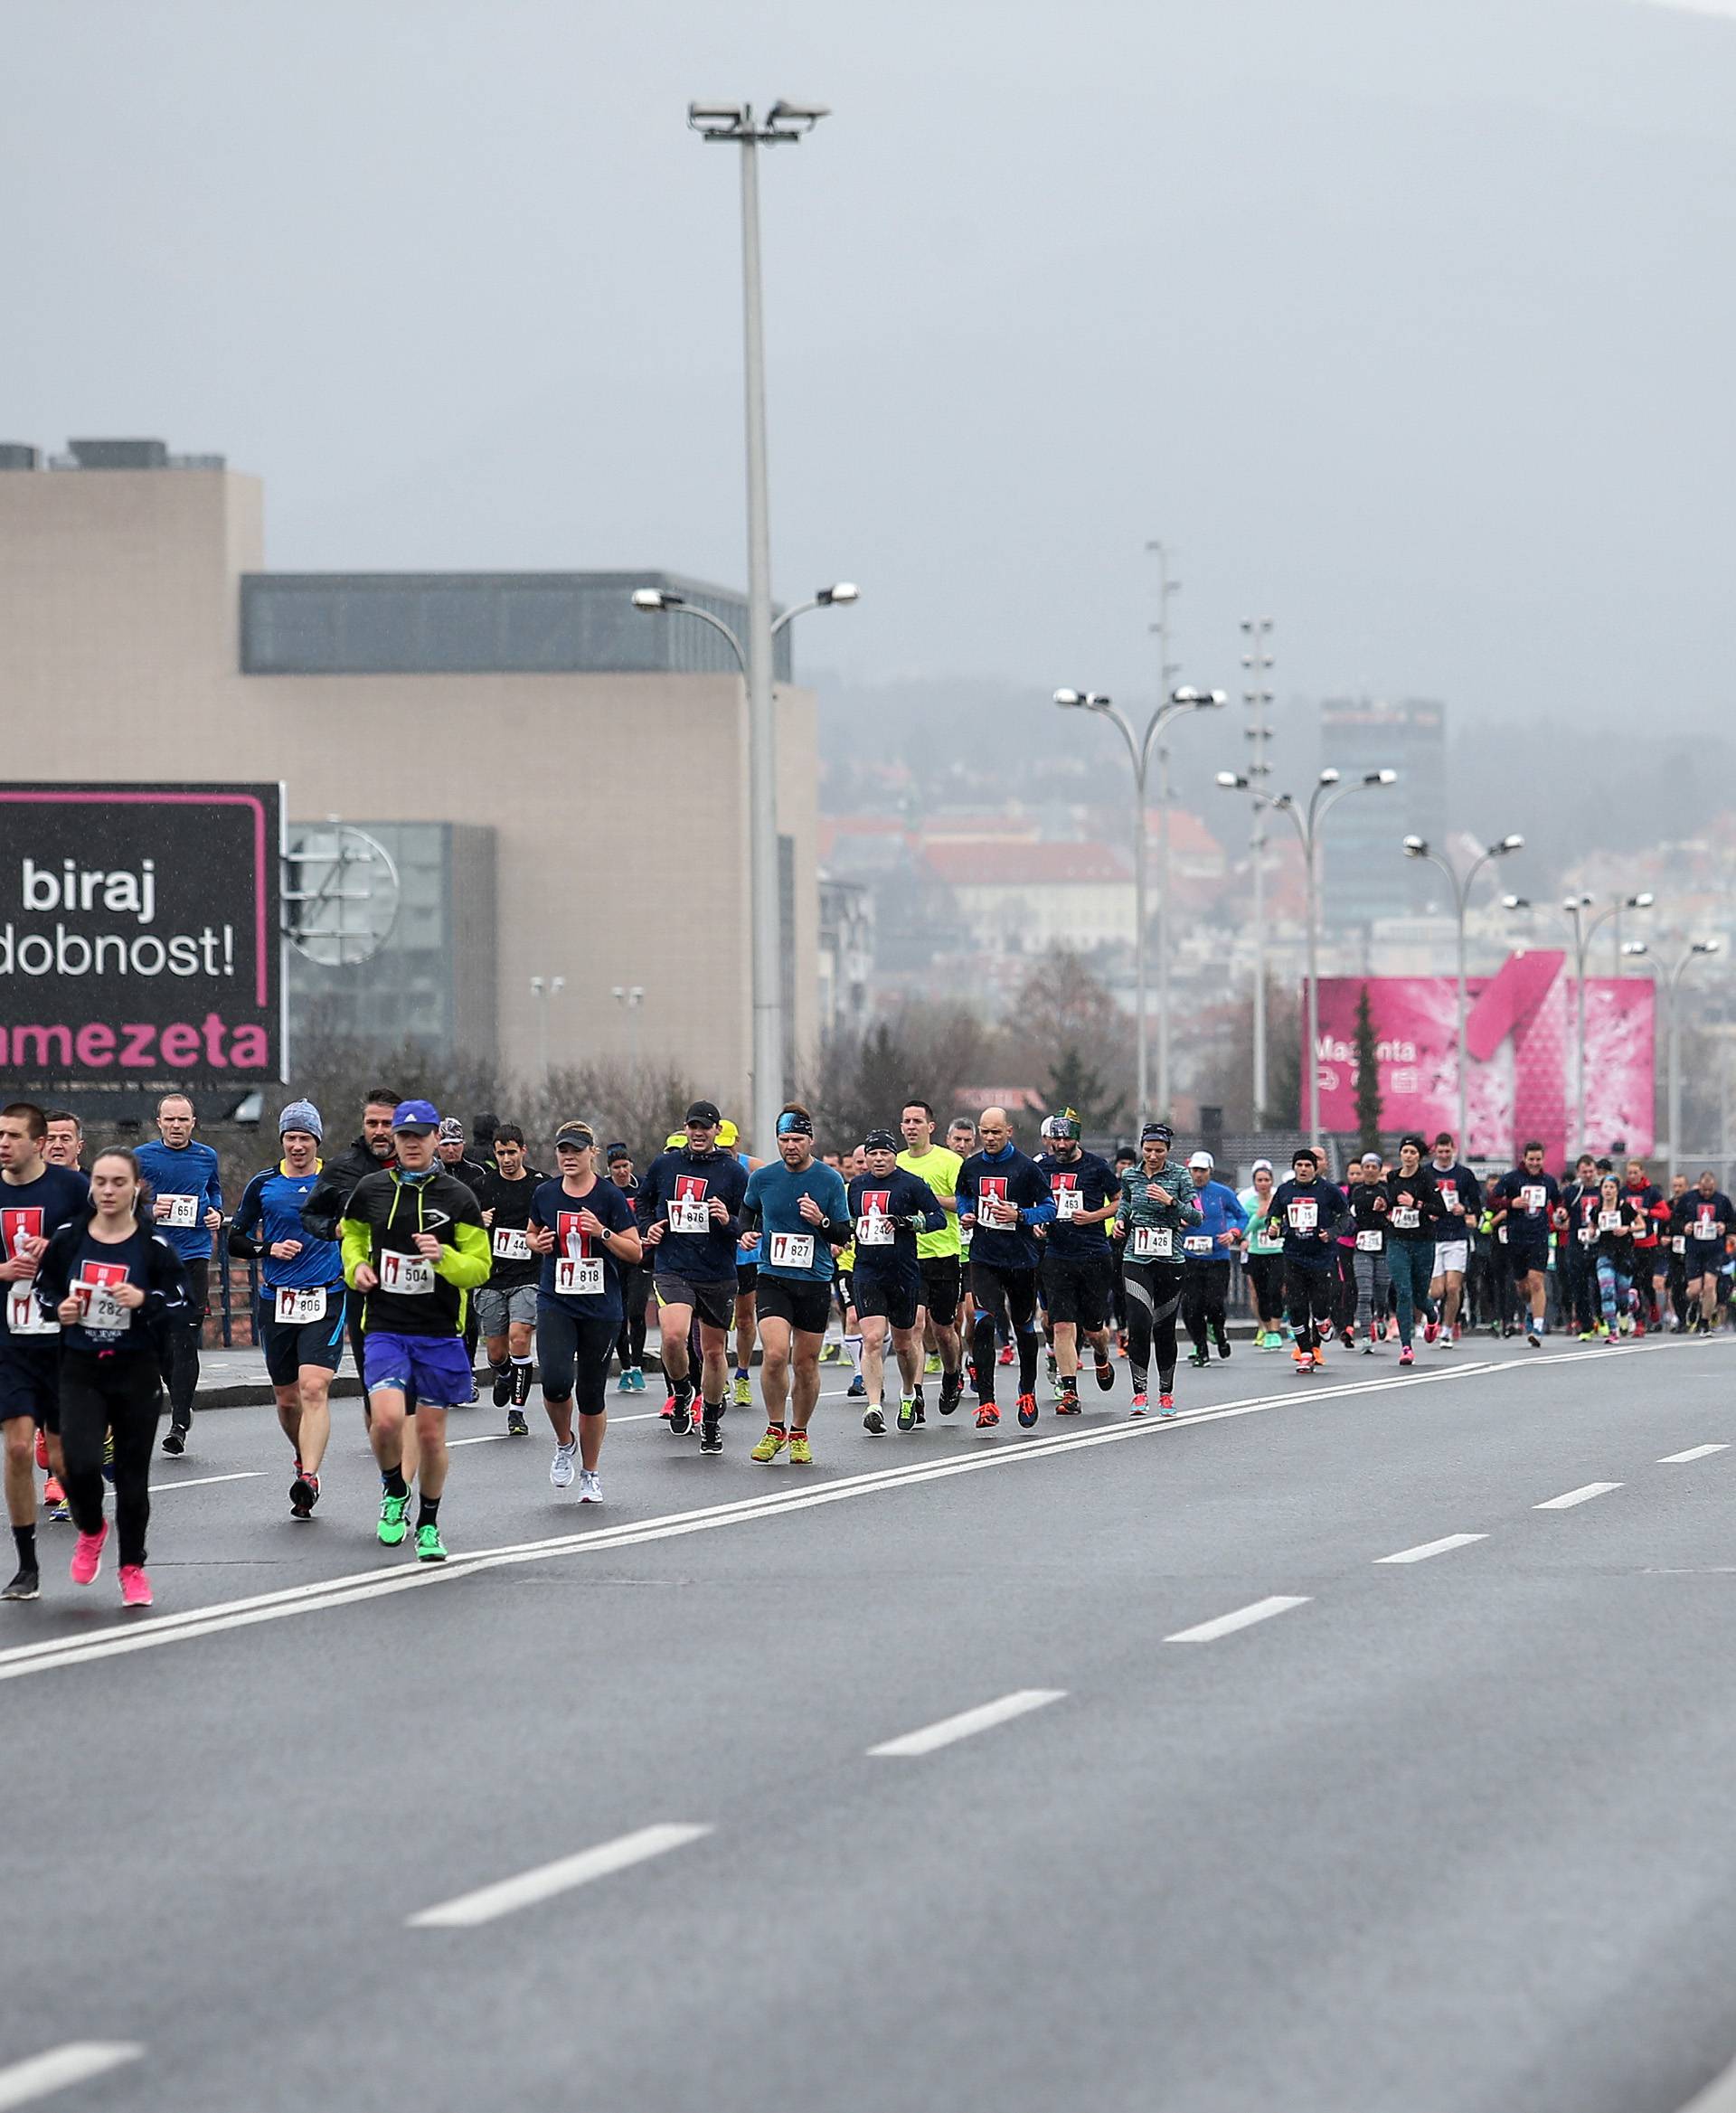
(736, 124)
(767, 1070)
(1257, 633)
(631, 996)
(546, 989)
(1584, 929)
(1329, 789)
(1671, 982)
(1139, 748)
(1418, 847)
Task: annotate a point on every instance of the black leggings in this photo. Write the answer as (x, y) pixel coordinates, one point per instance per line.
(629, 1344)
(1266, 1279)
(1312, 1291)
(184, 1338)
(1205, 1292)
(122, 1391)
(572, 1357)
(1012, 1293)
(1154, 1294)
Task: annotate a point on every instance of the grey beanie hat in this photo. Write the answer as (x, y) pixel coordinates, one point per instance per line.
(301, 1115)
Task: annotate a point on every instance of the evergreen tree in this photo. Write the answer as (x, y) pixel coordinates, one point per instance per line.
(1368, 1078)
(1074, 1082)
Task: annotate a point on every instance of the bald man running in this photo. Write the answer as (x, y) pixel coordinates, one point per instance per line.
(1003, 1197)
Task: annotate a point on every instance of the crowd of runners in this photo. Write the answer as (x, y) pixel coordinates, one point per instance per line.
(416, 1245)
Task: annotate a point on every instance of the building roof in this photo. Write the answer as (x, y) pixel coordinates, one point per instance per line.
(1188, 835)
(1029, 865)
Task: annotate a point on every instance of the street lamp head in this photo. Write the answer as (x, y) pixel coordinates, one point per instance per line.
(1199, 700)
(1506, 845)
(804, 116)
(718, 120)
(1071, 700)
(1232, 781)
(1416, 847)
(833, 596)
(1705, 947)
(1641, 902)
(1380, 777)
(1515, 902)
(1634, 946)
(653, 598)
(1329, 776)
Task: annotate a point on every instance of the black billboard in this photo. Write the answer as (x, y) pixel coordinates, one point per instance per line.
(140, 943)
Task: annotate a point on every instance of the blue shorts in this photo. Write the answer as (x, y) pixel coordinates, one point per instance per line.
(434, 1368)
(30, 1379)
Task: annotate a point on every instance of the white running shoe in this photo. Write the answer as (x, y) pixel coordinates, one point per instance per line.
(563, 1467)
(591, 1485)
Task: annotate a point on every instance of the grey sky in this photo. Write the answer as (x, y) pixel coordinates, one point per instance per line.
(1408, 321)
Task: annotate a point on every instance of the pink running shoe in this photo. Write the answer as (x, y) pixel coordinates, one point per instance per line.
(1407, 1355)
(87, 1557)
(135, 1586)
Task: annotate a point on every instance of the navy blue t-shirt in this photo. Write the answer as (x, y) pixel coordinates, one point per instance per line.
(898, 1194)
(1092, 1181)
(35, 1210)
(679, 1185)
(580, 1274)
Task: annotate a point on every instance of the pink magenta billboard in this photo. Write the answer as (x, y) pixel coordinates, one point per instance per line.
(1521, 1034)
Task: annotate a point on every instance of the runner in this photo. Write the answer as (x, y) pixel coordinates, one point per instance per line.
(324, 1216)
(119, 1290)
(300, 1320)
(1369, 1211)
(689, 1211)
(1003, 1198)
(505, 1306)
(582, 1228)
(415, 1247)
(1343, 1295)
(1413, 1221)
(65, 1145)
(1672, 1247)
(37, 1199)
(636, 1285)
(1158, 1204)
(891, 1208)
(936, 1253)
(1461, 1204)
(1620, 1218)
(729, 1139)
(1076, 1252)
(188, 1204)
(1710, 1223)
(1312, 1213)
(1525, 1203)
(1207, 1249)
(1651, 1252)
(473, 1173)
(1124, 1157)
(1264, 1256)
(797, 1214)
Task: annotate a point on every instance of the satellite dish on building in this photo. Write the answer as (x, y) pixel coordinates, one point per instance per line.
(339, 895)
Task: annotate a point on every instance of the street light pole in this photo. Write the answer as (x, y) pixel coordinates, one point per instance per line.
(736, 124)
(1672, 989)
(1329, 789)
(1139, 749)
(631, 996)
(546, 989)
(1584, 930)
(1259, 661)
(1418, 847)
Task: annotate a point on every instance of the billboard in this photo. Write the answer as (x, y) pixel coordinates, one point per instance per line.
(1521, 1035)
(140, 940)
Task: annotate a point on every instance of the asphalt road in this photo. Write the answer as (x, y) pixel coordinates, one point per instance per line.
(1452, 1831)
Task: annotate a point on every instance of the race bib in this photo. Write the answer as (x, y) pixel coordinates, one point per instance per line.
(1153, 1243)
(1199, 1243)
(181, 1211)
(511, 1244)
(1304, 1214)
(1587, 1235)
(1679, 1244)
(96, 1294)
(579, 1276)
(1372, 1241)
(406, 1276)
(1406, 1218)
(791, 1250)
(1534, 1197)
(1448, 1193)
(1501, 1234)
(687, 1215)
(1609, 1220)
(25, 1317)
(876, 1229)
(1068, 1204)
(295, 1309)
(1704, 1229)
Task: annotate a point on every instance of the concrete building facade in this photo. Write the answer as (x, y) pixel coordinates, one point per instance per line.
(134, 602)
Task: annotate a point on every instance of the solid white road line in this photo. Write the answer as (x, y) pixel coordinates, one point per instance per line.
(490, 1901)
(1226, 1625)
(1584, 1494)
(1693, 1453)
(75, 2063)
(969, 1722)
(487, 1437)
(201, 1481)
(1719, 2096)
(1429, 1548)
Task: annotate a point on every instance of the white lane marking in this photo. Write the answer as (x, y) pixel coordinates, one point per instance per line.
(201, 1481)
(1226, 1625)
(1719, 2096)
(488, 1438)
(1429, 1548)
(124, 1638)
(1693, 1453)
(1583, 1494)
(75, 2063)
(488, 1902)
(969, 1722)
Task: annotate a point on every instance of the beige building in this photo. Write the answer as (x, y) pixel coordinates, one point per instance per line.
(141, 637)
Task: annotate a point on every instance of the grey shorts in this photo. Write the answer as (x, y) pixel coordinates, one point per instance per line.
(496, 1309)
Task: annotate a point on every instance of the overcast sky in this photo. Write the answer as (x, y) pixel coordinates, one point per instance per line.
(1407, 322)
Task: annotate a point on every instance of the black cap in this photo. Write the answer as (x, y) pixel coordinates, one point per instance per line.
(704, 1111)
(617, 1151)
(880, 1141)
(1161, 1130)
(580, 1134)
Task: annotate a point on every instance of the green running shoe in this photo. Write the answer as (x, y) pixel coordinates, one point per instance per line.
(741, 1393)
(907, 1413)
(394, 1522)
(430, 1547)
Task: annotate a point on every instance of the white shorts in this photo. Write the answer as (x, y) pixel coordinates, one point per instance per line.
(1451, 1255)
